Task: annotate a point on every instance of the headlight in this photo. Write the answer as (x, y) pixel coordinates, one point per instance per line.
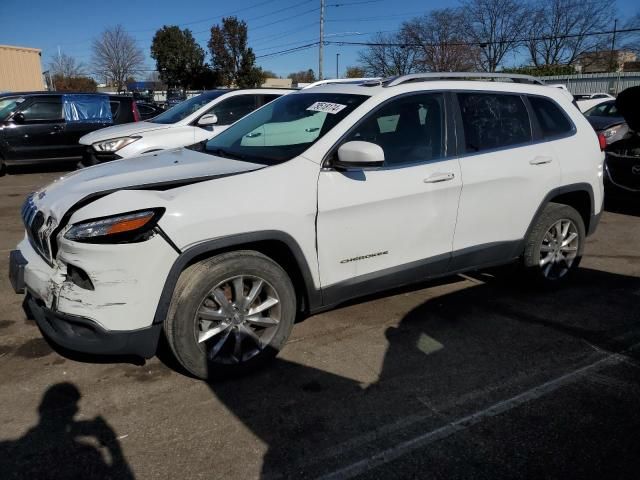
(114, 144)
(125, 228)
(615, 133)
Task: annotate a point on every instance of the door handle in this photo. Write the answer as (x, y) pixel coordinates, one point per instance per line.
(540, 160)
(440, 177)
(57, 128)
(253, 134)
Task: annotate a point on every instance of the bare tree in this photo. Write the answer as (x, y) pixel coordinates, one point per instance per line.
(496, 26)
(66, 66)
(388, 55)
(116, 56)
(440, 39)
(560, 30)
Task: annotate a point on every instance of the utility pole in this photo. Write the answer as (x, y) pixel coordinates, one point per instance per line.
(612, 62)
(321, 46)
(337, 65)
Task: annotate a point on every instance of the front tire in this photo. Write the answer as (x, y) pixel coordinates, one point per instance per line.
(554, 246)
(230, 314)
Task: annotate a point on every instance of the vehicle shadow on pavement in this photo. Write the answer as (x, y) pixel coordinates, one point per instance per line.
(62, 167)
(625, 203)
(447, 358)
(60, 447)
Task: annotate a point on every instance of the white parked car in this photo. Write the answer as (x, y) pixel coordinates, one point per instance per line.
(191, 121)
(587, 101)
(321, 196)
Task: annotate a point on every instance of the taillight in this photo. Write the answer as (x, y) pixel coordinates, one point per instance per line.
(603, 141)
(136, 113)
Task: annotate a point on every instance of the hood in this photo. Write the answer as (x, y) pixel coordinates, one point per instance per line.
(602, 123)
(628, 104)
(180, 166)
(124, 130)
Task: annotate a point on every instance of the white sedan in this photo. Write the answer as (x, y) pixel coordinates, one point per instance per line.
(191, 121)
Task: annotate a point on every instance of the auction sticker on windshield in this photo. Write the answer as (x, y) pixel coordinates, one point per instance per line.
(326, 107)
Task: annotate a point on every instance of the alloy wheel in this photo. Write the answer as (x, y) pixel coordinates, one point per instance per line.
(559, 249)
(237, 319)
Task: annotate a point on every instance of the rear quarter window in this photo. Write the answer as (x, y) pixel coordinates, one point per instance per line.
(553, 122)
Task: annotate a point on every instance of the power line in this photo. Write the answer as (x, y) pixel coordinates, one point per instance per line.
(289, 50)
(482, 44)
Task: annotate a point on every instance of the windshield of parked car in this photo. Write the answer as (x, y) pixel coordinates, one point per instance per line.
(606, 109)
(284, 128)
(8, 105)
(186, 108)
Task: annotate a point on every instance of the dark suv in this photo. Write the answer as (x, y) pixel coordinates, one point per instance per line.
(38, 127)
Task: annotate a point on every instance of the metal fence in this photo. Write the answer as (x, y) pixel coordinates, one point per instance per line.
(612, 83)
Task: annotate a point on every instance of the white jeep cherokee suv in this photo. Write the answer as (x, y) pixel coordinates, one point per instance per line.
(318, 197)
(192, 121)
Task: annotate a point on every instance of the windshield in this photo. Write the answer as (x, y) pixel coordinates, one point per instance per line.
(186, 108)
(284, 128)
(606, 109)
(8, 105)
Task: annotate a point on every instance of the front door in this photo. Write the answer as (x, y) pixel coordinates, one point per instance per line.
(36, 131)
(393, 224)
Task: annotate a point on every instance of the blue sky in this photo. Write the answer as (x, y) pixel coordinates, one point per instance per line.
(274, 25)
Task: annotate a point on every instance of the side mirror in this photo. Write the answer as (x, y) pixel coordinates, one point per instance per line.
(207, 120)
(18, 117)
(359, 154)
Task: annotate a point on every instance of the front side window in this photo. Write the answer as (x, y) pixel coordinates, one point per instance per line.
(186, 108)
(409, 129)
(493, 121)
(551, 119)
(43, 111)
(233, 108)
(284, 128)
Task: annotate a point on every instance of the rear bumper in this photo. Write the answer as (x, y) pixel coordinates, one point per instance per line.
(83, 335)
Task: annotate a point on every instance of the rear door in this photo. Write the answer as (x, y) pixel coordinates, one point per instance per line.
(506, 174)
(38, 132)
(84, 113)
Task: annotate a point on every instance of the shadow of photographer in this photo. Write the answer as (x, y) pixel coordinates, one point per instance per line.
(60, 447)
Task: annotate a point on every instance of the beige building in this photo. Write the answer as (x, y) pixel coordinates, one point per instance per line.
(277, 83)
(20, 69)
(604, 61)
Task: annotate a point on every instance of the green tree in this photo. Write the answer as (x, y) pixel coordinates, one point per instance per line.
(303, 76)
(355, 72)
(179, 58)
(231, 56)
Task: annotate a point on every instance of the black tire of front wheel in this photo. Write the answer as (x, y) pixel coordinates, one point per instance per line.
(552, 213)
(192, 287)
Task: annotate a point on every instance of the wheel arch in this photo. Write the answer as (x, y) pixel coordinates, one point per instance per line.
(277, 245)
(578, 195)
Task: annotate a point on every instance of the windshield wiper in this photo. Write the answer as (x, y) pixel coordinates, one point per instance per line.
(220, 152)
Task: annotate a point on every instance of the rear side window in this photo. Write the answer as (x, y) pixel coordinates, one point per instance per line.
(493, 121)
(551, 119)
(234, 108)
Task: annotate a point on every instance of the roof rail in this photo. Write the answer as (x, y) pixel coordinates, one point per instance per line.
(420, 77)
(354, 81)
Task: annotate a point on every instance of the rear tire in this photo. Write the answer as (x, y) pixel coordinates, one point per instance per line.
(554, 246)
(3, 168)
(230, 314)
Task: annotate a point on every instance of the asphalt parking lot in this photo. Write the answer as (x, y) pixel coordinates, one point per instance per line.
(475, 377)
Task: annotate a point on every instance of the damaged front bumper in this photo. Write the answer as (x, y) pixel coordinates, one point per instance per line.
(111, 313)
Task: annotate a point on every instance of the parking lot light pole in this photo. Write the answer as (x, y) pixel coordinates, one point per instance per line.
(321, 45)
(337, 65)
